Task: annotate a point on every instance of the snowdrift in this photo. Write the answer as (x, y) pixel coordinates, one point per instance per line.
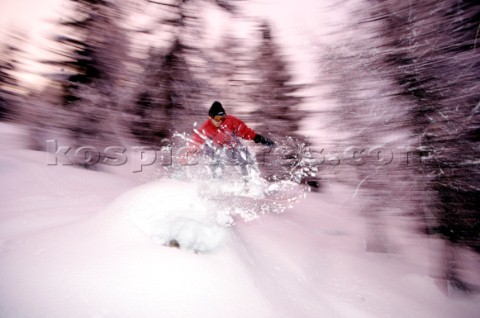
(76, 243)
(109, 266)
(170, 210)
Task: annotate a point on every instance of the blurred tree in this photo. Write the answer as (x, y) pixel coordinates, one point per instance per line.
(173, 85)
(231, 74)
(433, 57)
(9, 86)
(415, 82)
(277, 109)
(168, 95)
(413, 67)
(367, 127)
(93, 73)
(277, 100)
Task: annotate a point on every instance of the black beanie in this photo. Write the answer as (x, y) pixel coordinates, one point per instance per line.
(216, 109)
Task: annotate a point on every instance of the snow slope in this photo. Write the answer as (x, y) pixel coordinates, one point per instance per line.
(72, 246)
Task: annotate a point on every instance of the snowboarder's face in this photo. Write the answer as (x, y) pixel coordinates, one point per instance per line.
(217, 120)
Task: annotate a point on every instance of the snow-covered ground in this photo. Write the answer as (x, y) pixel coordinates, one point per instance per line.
(70, 247)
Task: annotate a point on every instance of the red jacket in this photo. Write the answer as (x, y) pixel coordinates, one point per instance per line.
(224, 135)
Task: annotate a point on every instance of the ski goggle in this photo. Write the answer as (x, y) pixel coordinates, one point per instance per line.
(219, 118)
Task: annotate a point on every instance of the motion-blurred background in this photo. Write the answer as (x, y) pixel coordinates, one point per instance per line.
(384, 93)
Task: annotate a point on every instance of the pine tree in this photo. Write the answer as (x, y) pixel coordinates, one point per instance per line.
(94, 50)
(232, 75)
(433, 57)
(169, 94)
(172, 91)
(278, 109)
(423, 67)
(367, 129)
(9, 85)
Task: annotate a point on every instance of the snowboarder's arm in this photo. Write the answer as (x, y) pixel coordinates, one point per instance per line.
(242, 130)
(263, 140)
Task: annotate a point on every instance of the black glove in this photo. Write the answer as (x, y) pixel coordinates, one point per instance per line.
(264, 141)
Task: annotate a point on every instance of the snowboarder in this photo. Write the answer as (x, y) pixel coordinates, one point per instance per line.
(222, 131)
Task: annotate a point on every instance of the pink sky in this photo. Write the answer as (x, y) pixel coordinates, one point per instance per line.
(299, 25)
(27, 14)
(29, 17)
